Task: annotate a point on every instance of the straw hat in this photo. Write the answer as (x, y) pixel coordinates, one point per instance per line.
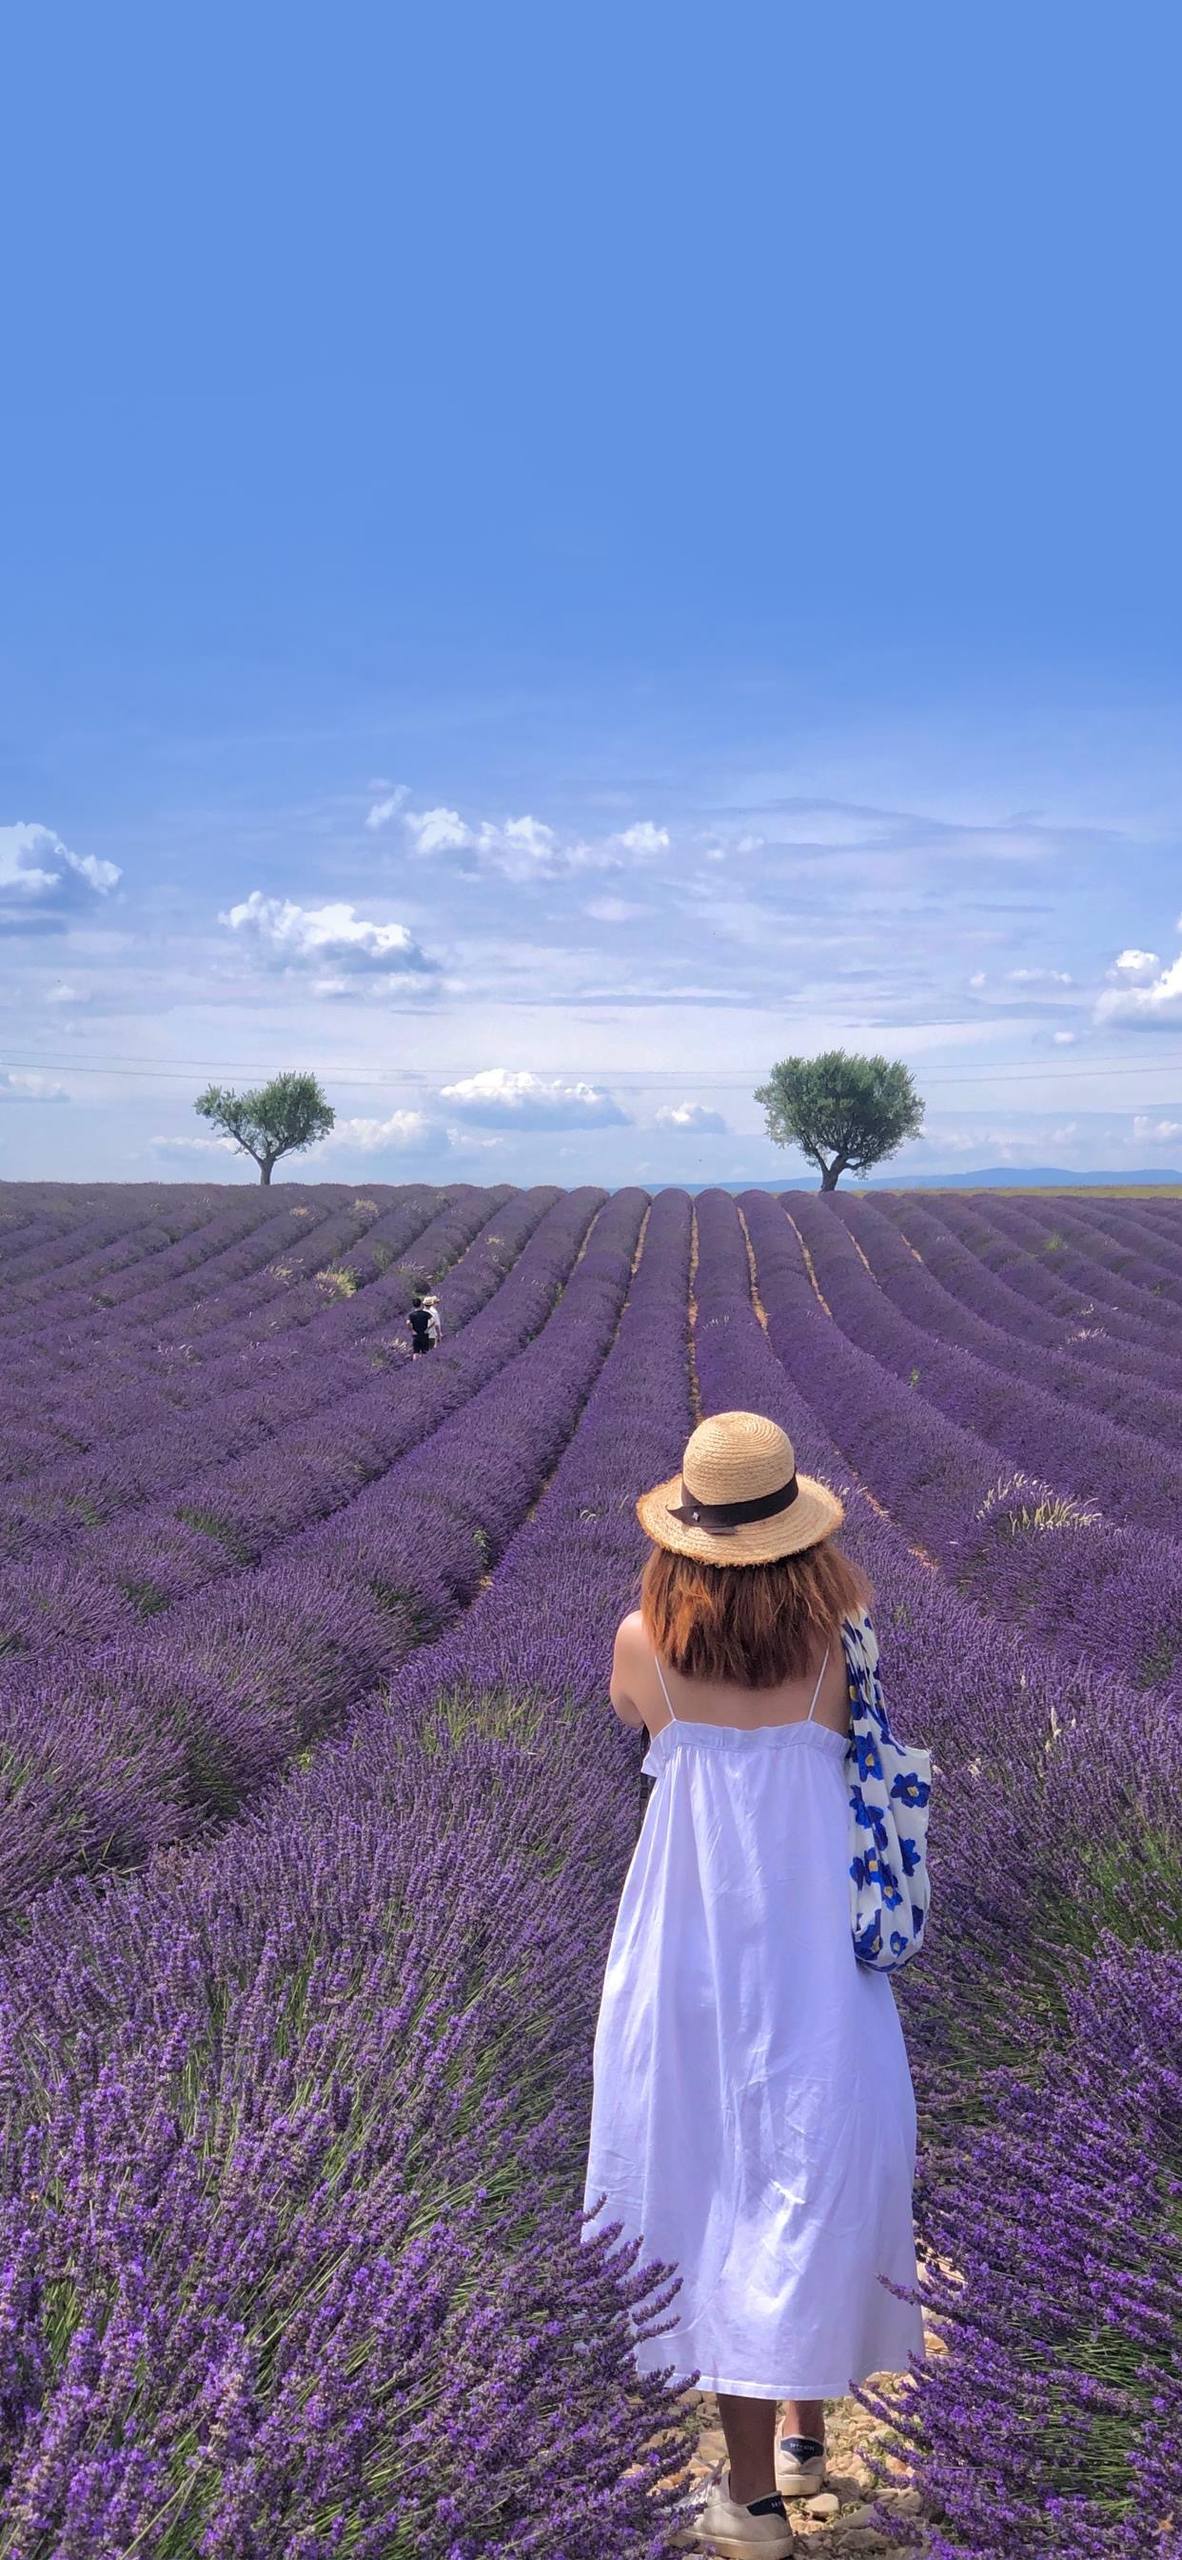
(738, 1498)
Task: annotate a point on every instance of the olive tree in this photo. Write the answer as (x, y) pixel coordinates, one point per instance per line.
(288, 1113)
(844, 1113)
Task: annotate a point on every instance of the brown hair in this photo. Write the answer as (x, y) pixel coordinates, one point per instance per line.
(752, 1624)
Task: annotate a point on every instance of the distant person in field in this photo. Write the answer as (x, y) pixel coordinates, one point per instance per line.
(424, 1334)
(753, 2117)
(431, 1303)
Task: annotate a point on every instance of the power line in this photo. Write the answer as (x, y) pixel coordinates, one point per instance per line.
(432, 1077)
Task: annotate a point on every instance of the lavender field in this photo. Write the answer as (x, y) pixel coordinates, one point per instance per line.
(315, 1817)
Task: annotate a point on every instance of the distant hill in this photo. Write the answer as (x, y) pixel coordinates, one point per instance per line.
(1004, 1176)
(1036, 1178)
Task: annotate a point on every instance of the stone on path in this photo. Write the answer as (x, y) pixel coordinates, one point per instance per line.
(839, 2521)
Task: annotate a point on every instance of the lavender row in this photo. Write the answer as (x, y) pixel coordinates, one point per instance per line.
(1104, 1464)
(147, 1737)
(1006, 1537)
(544, 1624)
(1046, 1313)
(1148, 1404)
(32, 1365)
(1068, 1243)
(297, 2118)
(1143, 1227)
(245, 1402)
(1071, 2256)
(142, 1561)
(529, 2364)
(410, 1936)
(976, 1692)
(131, 1258)
(1042, 1268)
(999, 1713)
(110, 1227)
(255, 1331)
(1061, 2320)
(269, 1260)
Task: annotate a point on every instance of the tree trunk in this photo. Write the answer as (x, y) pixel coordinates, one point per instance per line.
(829, 1177)
(265, 1170)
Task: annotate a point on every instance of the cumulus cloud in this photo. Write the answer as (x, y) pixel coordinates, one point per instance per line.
(29, 1085)
(404, 1132)
(1040, 977)
(332, 940)
(526, 848)
(692, 1118)
(434, 831)
(383, 810)
(1140, 997)
(62, 994)
(643, 838)
(513, 1098)
(1155, 1133)
(978, 978)
(1063, 1039)
(41, 880)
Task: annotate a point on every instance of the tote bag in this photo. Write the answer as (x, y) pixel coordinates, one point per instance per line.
(890, 1784)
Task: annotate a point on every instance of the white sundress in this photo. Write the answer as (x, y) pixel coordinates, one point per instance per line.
(753, 2117)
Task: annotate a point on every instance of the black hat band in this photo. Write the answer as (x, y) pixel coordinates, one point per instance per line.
(721, 1519)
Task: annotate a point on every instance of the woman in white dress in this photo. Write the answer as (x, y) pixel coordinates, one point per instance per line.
(753, 2117)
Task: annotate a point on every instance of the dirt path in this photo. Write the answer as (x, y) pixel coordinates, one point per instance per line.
(842, 2519)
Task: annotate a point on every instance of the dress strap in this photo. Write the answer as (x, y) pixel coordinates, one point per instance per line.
(664, 1686)
(817, 1691)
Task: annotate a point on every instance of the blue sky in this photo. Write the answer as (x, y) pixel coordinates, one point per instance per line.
(555, 557)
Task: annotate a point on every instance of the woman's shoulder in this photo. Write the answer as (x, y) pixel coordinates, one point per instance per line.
(630, 1633)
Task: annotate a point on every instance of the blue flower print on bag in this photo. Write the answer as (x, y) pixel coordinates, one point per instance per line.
(880, 1826)
(869, 1761)
(884, 1776)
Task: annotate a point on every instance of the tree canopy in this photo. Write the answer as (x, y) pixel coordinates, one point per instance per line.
(288, 1113)
(845, 1113)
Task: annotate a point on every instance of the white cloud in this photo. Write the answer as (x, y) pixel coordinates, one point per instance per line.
(978, 978)
(1040, 977)
(62, 994)
(404, 1132)
(1160, 1001)
(611, 910)
(196, 1146)
(383, 810)
(1156, 1133)
(40, 877)
(693, 1118)
(505, 1097)
(437, 831)
(526, 848)
(1063, 1039)
(21, 1085)
(1134, 968)
(333, 939)
(644, 838)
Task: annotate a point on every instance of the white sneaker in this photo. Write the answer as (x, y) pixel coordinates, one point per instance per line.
(721, 2524)
(796, 2478)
